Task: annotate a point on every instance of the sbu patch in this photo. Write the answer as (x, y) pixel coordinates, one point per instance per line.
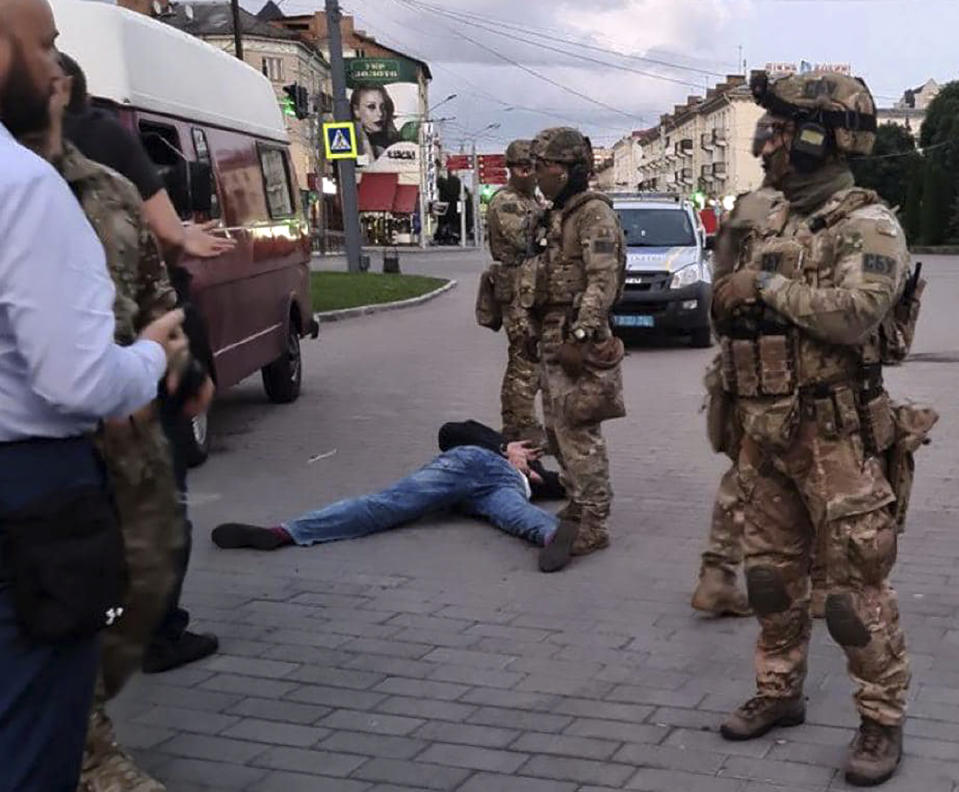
(875, 264)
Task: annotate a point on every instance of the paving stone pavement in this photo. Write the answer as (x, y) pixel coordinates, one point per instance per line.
(436, 657)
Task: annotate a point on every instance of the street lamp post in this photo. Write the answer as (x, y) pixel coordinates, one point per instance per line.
(477, 222)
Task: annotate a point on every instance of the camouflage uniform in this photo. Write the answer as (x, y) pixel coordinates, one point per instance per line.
(512, 218)
(803, 364)
(582, 277)
(717, 591)
(137, 457)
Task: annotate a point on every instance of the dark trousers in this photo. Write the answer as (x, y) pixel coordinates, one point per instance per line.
(174, 623)
(45, 690)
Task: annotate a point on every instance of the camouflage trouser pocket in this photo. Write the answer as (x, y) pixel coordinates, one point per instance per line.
(872, 546)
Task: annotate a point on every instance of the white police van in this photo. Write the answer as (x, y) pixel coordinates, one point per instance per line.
(668, 268)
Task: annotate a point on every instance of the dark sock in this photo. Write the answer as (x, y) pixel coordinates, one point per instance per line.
(557, 552)
(233, 535)
(282, 534)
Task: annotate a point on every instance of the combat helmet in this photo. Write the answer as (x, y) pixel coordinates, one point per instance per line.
(518, 153)
(821, 102)
(563, 144)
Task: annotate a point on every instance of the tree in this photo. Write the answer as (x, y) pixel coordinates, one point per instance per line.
(939, 139)
(892, 166)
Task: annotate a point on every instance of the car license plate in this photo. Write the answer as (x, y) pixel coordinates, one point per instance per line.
(633, 320)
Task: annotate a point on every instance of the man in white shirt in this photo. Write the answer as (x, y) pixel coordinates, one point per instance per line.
(60, 373)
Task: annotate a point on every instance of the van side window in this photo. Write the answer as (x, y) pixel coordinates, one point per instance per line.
(276, 180)
(203, 155)
(162, 144)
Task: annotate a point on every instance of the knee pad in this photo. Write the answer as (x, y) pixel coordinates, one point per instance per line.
(767, 590)
(843, 622)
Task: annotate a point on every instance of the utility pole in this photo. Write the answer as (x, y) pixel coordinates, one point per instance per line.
(237, 32)
(341, 112)
(477, 239)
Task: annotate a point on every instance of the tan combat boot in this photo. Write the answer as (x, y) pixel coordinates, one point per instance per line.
(107, 767)
(761, 714)
(591, 536)
(718, 594)
(875, 753)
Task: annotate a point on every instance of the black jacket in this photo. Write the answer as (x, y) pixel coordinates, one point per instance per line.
(474, 433)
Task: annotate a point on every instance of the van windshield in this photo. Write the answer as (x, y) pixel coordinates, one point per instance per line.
(657, 228)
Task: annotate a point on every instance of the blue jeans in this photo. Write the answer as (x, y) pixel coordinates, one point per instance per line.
(472, 479)
(45, 690)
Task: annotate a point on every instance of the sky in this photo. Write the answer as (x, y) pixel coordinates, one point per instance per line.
(522, 64)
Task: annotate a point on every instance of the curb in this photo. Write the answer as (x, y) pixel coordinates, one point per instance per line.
(364, 310)
(934, 250)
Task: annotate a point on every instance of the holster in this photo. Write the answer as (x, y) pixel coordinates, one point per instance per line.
(719, 409)
(489, 311)
(912, 423)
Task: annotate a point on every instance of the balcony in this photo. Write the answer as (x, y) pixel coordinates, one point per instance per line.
(684, 147)
(706, 171)
(686, 175)
(719, 170)
(719, 137)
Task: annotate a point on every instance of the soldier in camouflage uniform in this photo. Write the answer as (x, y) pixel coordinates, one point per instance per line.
(578, 279)
(717, 591)
(512, 217)
(799, 322)
(139, 460)
(134, 449)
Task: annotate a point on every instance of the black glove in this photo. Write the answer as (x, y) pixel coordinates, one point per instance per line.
(572, 357)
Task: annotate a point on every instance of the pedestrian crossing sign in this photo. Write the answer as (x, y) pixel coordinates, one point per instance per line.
(339, 138)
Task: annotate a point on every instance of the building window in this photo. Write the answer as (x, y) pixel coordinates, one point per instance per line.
(360, 53)
(273, 68)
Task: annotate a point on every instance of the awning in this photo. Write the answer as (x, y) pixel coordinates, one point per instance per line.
(377, 192)
(406, 200)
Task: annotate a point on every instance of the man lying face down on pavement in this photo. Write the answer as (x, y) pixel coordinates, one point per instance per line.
(477, 473)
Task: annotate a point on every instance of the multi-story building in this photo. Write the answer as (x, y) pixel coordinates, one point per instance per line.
(910, 111)
(627, 152)
(283, 58)
(704, 145)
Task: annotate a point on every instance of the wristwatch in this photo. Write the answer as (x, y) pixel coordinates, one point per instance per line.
(580, 334)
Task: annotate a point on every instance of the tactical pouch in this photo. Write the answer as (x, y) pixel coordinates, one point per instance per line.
(718, 407)
(776, 372)
(489, 312)
(727, 366)
(847, 416)
(878, 429)
(597, 394)
(745, 365)
(63, 558)
(531, 283)
(503, 278)
(912, 426)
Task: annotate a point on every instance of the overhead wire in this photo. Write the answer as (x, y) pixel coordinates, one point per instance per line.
(537, 74)
(473, 17)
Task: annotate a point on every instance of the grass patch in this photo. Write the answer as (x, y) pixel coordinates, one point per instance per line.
(332, 291)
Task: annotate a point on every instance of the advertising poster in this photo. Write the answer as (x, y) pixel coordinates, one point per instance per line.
(384, 100)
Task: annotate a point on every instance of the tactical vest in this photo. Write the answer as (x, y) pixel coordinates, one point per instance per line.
(763, 354)
(564, 266)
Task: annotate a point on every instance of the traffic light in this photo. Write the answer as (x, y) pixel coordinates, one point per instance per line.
(297, 100)
(487, 191)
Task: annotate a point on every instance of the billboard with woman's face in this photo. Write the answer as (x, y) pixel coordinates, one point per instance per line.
(384, 100)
